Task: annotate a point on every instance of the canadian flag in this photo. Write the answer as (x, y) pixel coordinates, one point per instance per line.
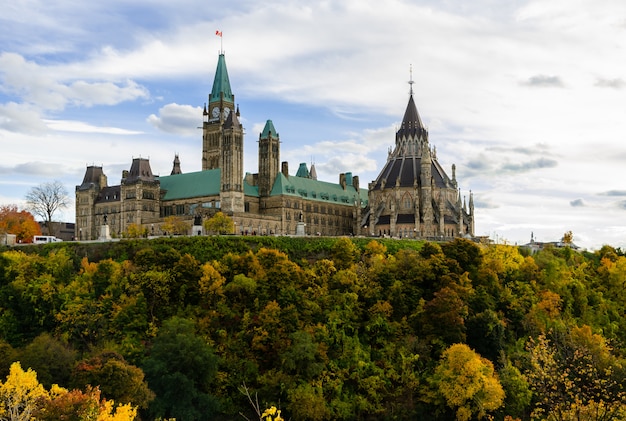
(218, 33)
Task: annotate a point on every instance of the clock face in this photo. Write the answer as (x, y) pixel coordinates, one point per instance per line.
(216, 112)
(226, 111)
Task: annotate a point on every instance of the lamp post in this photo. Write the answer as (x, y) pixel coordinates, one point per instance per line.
(80, 234)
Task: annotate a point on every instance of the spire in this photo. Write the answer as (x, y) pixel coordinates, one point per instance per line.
(411, 122)
(221, 83)
(269, 130)
(176, 167)
(313, 172)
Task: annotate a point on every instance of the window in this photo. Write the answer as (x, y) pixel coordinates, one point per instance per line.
(180, 209)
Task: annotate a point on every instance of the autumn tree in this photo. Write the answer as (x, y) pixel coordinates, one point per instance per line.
(135, 231)
(45, 199)
(117, 379)
(20, 394)
(568, 238)
(22, 224)
(466, 383)
(175, 225)
(220, 224)
(574, 374)
(76, 405)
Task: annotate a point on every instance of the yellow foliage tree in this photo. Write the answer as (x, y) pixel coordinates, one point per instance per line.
(468, 383)
(20, 394)
(175, 225)
(23, 398)
(220, 224)
(135, 231)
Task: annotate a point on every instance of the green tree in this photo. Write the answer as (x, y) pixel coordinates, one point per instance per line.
(180, 368)
(344, 253)
(52, 359)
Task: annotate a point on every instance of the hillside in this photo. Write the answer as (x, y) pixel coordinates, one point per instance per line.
(322, 328)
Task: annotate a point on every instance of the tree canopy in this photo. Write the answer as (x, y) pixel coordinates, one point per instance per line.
(316, 328)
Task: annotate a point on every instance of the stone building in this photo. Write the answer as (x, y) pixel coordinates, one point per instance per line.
(272, 201)
(412, 195)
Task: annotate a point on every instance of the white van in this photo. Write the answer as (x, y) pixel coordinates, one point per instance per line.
(44, 239)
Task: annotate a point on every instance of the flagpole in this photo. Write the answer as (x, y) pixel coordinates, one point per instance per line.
(219, 34)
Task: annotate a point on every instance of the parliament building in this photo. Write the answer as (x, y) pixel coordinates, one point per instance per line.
(412, 197)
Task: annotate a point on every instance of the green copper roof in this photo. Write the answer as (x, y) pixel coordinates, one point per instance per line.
(221, 83)
(189, 185)
(303, 171)
(269, 128)
(315, 190)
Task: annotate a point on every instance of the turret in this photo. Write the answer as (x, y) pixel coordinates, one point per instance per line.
(269, 158)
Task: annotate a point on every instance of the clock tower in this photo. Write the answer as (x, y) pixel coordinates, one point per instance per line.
(222, 141)
(221, 104)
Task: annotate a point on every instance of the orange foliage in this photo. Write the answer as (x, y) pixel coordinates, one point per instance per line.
(20, 223)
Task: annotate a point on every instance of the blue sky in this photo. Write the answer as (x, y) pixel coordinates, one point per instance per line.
(527, 98)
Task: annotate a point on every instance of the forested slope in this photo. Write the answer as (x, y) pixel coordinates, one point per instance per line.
(342, 329)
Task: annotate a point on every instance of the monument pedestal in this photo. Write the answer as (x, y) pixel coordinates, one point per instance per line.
(104, 233)
(300, 229)
(196, 230)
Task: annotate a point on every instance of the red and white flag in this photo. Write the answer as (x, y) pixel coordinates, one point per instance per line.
(218, 33)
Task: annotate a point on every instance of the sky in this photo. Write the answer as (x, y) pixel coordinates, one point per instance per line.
(526, 98)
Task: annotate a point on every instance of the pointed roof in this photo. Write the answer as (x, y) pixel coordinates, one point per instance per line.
(176, 168)
(303, 171)
(139, 171)
(269, 129)
(411, 122)
(221, 83)
(313, 172)
(232, 121)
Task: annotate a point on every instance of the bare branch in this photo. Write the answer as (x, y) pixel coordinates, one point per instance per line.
(44, 200)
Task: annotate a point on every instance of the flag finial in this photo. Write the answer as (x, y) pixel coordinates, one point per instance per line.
(219, 34)
(411, 79)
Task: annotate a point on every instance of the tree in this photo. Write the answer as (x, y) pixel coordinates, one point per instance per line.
(575, 375)
(136, 231)
(45, 199)
(20, 223)
(52, 359)
(175, 225)
(76, 405)
(568, 238)
(219, 223)
(467, 383)
(20, 394)
(117, 379)
(181, 383)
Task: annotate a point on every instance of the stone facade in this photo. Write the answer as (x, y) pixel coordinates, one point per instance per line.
(412, 197)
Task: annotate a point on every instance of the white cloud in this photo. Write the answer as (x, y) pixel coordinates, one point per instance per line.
(474, 64)
(82, 127)
(178, 119)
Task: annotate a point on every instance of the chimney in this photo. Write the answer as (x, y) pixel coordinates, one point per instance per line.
(285, 168)
(342, 180)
